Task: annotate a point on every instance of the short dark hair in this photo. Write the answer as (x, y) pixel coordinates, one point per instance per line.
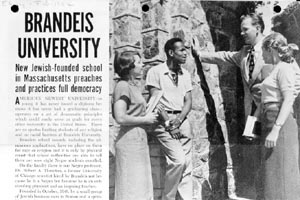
(256, 20)
(124, 62)
(170, 44)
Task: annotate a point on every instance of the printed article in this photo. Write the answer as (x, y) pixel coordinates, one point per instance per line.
(149, 99)
(185, 77)
(54, 64)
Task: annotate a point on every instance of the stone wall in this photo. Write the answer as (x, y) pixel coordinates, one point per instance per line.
(145, 26)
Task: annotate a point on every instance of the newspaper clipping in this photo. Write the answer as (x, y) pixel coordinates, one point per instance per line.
(54, 111)
(149, 99)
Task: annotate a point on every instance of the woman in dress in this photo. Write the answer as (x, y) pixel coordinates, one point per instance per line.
(280, 132)
(133, 180)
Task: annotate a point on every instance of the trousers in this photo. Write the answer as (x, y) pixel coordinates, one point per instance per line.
(178, 157)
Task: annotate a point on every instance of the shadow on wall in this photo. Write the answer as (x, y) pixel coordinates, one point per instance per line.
(217, 159)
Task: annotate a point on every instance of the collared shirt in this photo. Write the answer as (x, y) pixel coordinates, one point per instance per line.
(173, 94)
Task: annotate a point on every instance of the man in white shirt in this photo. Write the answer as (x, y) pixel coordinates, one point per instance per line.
(175, 82)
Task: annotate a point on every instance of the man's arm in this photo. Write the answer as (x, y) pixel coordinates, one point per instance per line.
(187, 106)
(187, 103)
(185, 110)
(152, 90)
(173, 130)
(220, 58)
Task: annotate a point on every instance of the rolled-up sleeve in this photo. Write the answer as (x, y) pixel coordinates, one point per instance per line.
(152, 78)
(122, 92)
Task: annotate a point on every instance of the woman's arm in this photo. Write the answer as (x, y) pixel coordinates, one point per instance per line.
(286, 107)
(122, 118)
(284, 112)
(286, 81)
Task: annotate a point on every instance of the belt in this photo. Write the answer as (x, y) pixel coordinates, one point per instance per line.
(271, 105)
(173, 111)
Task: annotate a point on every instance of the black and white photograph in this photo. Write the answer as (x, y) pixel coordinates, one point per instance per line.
(204, 100)
(149, 100)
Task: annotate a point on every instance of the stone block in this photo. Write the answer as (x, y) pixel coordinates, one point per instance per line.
(214, 18)
(110, 19)
(112, 82)
(127, 32)
(228, 77)
(233, 132)
(111, 56)
(197, 15)
(190, 64)
(125, 7)
(198, 124)
(229, 4)
(297, 16)
(198, 103)
(155, 17)
(292, 22)
(111, 193)
(157, 194)
(201, 189)
(211, 73)
(230, 108)
(181, 28)
(200, 151)
(202, 32)
(111, 171)
(200, 173)
(153, 45)
(155, 149)
(231, 28)
(292, 7)
(236, 155)
(181, 7)
(222, 39)
(158, 166)
(220, 109)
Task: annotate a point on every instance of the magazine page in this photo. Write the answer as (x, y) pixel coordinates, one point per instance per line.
(149, 99)
(54, 108)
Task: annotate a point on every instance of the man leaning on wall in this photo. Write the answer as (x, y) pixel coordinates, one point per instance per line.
(175, 83)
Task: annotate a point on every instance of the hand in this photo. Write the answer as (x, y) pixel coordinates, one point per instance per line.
(175, 133)
(195, 47)
(272, 137)
(150, 118)
(175, 123)
(159, 108)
